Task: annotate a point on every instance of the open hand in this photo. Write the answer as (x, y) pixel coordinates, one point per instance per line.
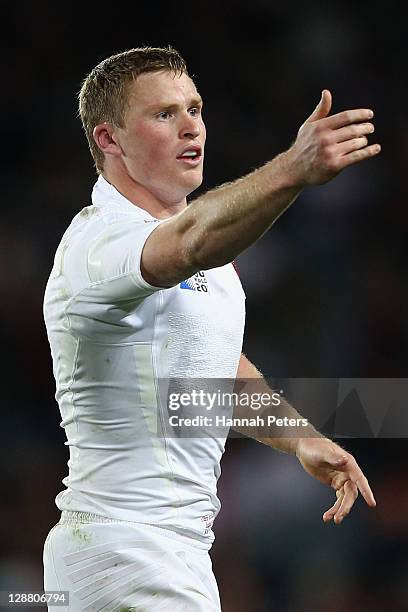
(326, 144)
(330, 464)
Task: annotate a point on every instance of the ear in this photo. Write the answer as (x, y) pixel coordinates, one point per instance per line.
(106, 140)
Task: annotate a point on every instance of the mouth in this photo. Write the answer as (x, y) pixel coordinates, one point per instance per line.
(190, 161)
(192, 156)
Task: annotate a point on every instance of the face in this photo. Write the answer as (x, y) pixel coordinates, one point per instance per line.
(164, 122)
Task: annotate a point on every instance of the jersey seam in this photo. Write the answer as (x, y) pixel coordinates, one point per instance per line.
(74, 371)
(158, 395)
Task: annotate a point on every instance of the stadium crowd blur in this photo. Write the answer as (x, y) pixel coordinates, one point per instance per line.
(326, 287)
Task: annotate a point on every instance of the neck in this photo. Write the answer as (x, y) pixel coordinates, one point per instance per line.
(138, 195)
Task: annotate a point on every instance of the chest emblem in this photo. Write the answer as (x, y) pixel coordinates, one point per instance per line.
(198, 282)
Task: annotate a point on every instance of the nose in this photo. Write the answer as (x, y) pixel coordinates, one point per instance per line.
(190, 126)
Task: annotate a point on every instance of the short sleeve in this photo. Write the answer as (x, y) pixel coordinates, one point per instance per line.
(113, 261)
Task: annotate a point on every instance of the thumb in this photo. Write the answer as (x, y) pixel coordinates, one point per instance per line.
(323, 108)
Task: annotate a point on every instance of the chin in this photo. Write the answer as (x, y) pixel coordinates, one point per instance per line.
(192, 184)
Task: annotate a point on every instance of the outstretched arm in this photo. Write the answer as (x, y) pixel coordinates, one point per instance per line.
(320, 457)
(222, 223)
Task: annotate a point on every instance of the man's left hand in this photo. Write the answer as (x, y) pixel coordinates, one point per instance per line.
(330, 464)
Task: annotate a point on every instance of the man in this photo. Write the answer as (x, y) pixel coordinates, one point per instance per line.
(143, 289)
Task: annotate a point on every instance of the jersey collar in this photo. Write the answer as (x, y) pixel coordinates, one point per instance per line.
(105, 194)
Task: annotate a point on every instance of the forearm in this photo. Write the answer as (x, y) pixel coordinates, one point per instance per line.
(288, 428)
(226, 220)
(281, 425)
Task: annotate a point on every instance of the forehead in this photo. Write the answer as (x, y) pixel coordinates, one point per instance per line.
(164, 87)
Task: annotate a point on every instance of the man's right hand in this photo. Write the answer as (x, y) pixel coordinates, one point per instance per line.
(325, 144)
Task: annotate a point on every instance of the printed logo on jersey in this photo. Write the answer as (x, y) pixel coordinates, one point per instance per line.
(208, 520)
(198, 282)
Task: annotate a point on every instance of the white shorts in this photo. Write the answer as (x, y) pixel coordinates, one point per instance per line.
(118, 566)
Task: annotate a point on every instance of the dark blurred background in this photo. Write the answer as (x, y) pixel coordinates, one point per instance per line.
(326, 288)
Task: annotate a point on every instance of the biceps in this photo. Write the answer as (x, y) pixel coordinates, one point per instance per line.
(168, 255)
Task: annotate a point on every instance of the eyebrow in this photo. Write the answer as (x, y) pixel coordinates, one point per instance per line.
(196, 101)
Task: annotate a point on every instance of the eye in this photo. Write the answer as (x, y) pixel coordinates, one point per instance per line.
(163, 115)
(195, 111)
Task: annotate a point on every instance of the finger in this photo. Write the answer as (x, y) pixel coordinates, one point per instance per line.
(365, 490)
(331, 511)
(354, 144)
(353, 131)
(323, 108)
(349, 497)
(350, 468)
(329, 514)
(347, 118)
(354, 473)
(357, 156)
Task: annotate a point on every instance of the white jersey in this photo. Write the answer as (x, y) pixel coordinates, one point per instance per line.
(112, 337)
